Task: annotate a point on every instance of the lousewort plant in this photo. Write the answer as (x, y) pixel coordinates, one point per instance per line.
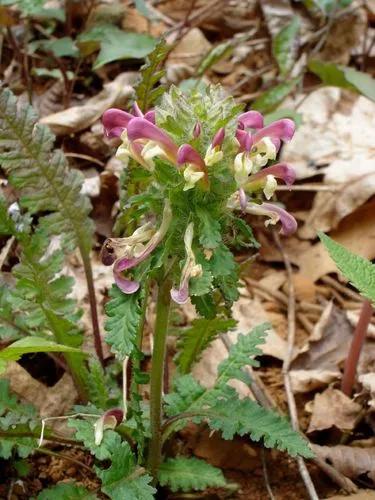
(197, 165)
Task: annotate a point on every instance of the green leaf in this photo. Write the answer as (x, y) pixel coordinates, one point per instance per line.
(215, 55)
(150, 74)
(85, 433)
(270, 99)
(222, 261)
(123, 479)
(209, 229)
(359, 271)
(117, 44)
(246, 417)
(7, 225)
(242, 354)
(124, 315)
(66, 491)
(195, 339)
(61, 47)
(13, 413)
(42, 174)
(34, 344)
(344, 77)
(284, 46)
(186, 474)
(205, 305)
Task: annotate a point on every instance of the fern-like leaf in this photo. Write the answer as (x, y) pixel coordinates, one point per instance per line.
(66, 491)
(12, 414)
(359, 271)
(196, 338)
(188, 474)
(223, 409)
(123, 479)
(124, 315)
(42, 174)
(151, 73)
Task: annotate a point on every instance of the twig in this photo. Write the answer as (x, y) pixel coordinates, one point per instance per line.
(265, 474)
(85, 157)
(286, 365)
(309, 187)
(341, 288)
(356, 345)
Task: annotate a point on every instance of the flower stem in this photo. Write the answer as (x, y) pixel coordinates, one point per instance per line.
(356, 348)
(93, 307)
(157, 373)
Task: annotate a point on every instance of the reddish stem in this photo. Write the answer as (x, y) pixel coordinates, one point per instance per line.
(356, 348)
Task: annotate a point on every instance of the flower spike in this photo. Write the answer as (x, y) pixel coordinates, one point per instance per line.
(180, 295)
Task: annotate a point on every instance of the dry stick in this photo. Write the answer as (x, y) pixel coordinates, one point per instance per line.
(286, 365)
(266, 475)
(45, 451)
(356, 348)
(341, 288)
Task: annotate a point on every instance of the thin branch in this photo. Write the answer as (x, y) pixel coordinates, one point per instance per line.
(286, 365)
(266, 475)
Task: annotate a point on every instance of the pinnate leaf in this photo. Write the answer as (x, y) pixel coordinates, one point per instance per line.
(359, 271)
(42, 174)
(123, 479)
(186, 474)
(66, 491)
(196, 338)
(124, 315)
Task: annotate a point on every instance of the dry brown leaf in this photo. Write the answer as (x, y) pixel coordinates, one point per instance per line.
(317, 363)
(235, 455)
(354, 187)
(345, 35)
(337, 125)
(310, 380)
(328, 345)
(349, 460)
(356, 232)
(76, 118)
(332, 408)
(190, 49)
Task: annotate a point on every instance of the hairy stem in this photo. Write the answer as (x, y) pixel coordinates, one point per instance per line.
(93, 307)
(157, 373)
(356, 348)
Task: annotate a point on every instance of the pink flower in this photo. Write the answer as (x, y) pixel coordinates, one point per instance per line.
(127, 253)
(142, 129)
(180, 295)
(251, 119)
(275, 214)
(280, 171)
(280, 130)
